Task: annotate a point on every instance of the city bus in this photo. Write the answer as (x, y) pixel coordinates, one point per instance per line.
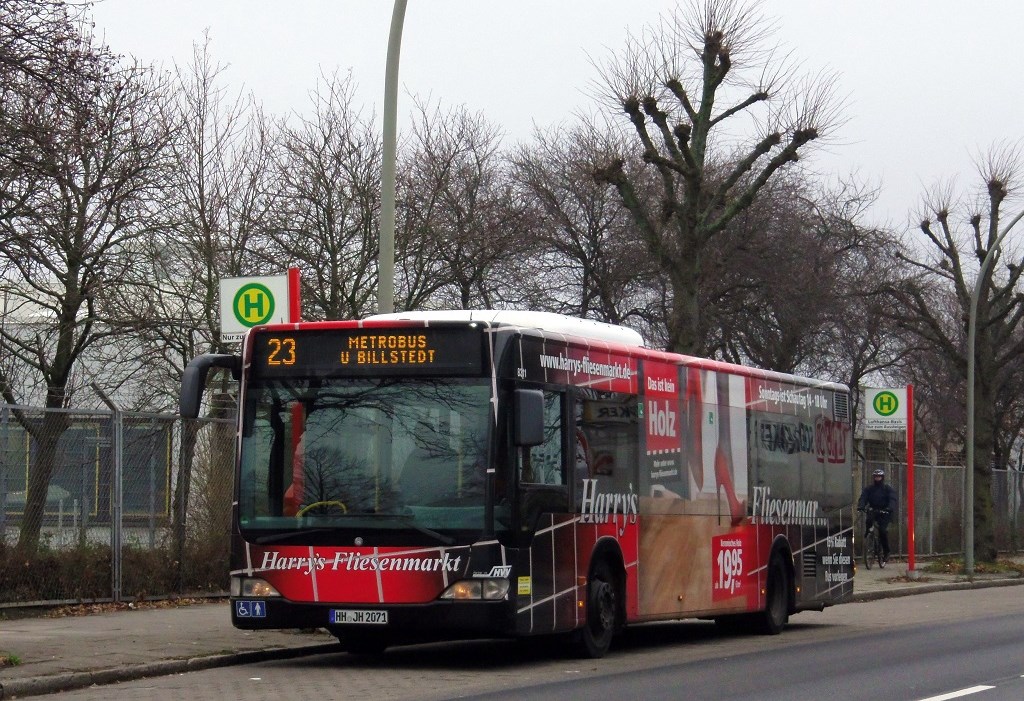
(431, 476)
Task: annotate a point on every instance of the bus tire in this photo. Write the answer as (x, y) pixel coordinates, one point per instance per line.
(775, 615)
(603, 597)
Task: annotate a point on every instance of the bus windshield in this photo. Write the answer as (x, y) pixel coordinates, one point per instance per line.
(325, 455)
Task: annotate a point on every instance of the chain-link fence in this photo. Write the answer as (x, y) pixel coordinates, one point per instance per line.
(108, 505)
(939, 506)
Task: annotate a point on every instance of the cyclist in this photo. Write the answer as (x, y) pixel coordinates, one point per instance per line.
(883, 501)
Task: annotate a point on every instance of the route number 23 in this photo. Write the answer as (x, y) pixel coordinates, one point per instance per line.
(282, 351)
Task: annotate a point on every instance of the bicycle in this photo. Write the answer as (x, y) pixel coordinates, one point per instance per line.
(872, 542)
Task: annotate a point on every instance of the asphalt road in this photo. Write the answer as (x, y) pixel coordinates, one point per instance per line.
(911, 648)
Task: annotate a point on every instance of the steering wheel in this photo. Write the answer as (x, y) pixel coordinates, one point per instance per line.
(302, 512)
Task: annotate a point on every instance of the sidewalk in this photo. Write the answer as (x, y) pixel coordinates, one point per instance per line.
(895, 580)
(58, 654)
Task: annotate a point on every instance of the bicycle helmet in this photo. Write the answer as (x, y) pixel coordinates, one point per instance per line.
(878, 473)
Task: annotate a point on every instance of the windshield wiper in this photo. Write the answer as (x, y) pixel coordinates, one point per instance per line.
(288, 535)
(410, 521)
(403, 518)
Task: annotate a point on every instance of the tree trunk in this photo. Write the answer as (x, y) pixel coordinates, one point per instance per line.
(45, 435)
(684, 324)
(186, 458)
(984, 449)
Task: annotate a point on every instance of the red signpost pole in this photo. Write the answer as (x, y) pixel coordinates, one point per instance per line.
(294, 494)
(294, 306)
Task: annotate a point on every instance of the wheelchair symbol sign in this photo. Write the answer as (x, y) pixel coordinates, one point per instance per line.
(250, 609)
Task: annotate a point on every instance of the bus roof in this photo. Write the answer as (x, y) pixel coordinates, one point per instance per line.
(574, 327)
(544, 321)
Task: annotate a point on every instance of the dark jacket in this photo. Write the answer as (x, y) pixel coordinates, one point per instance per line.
(878, 496)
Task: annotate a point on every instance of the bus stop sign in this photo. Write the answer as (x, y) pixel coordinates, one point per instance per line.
(252, 301)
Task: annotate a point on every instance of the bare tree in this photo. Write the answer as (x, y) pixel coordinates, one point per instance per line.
(588, 255)
(859, 338)
(670, 83)
(326, 187)
(959, 235)
(460, 240)
(796, 282)
(206, 222)
(39, 48)
(208, 217)
(93, 146)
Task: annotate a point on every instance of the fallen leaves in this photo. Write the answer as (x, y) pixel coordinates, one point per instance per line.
(107, 607)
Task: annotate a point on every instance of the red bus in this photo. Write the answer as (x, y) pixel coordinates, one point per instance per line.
(444, 475)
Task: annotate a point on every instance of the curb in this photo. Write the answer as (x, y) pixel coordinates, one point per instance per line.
(929, 588)
(53, 683)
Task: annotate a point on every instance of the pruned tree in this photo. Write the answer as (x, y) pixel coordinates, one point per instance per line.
(704, 73)
(958, 235)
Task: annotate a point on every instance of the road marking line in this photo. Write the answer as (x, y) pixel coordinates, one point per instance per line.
(958, 694)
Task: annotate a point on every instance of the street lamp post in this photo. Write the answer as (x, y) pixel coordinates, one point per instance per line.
(386, 255)
(972, 326)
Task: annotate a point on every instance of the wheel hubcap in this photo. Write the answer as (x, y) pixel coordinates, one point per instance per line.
(604, 603)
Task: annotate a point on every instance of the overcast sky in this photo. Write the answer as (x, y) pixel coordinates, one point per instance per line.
(929, 84)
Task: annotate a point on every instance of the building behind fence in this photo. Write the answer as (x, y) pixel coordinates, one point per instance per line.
(113, 529)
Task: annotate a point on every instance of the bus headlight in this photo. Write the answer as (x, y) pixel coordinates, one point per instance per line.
(487, 589)
(252, 586)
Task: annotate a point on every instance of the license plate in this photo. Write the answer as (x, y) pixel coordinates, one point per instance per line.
(345, 616)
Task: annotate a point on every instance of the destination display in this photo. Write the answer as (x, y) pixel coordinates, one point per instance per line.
(388, 351)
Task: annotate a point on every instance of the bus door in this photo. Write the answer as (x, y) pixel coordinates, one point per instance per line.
(541, 469)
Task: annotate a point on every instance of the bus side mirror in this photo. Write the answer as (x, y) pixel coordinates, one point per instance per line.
(529, 416)
(193, 380)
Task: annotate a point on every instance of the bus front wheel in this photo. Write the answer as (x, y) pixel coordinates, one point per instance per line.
(595, 638)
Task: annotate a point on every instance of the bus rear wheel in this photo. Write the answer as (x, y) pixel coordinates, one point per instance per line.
(775, 616)
(595, 638)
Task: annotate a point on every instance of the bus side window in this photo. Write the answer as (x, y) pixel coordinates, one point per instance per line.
(607, 449)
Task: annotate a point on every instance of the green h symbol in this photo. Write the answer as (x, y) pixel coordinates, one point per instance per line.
(886, 403)
(253, 304)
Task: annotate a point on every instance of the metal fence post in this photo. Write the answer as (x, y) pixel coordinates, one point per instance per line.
(152, 484)
(4, 414)
(931, 509)
(1018, 488)
(116, 496)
